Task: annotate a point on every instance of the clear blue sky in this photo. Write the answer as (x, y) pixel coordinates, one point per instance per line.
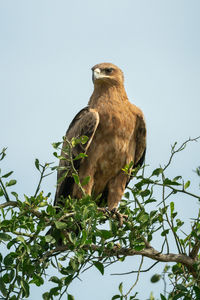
(47, 49)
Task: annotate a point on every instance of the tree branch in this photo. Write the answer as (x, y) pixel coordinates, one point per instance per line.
(26, 207)
(9, 203)
(147, 252)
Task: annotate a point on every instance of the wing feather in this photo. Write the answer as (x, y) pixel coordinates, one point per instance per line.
(84, 123)
(140, 140)
(140, 150)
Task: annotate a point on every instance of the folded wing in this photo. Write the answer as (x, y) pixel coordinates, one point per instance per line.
(85, 123)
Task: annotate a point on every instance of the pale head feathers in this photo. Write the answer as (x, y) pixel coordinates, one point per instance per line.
(107, 73)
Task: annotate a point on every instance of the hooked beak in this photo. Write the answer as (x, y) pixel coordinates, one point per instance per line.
(96, 74)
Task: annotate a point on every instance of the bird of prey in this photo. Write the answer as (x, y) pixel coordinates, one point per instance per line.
(116, 134)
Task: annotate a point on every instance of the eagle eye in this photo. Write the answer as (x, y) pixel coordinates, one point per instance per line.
(108, 70)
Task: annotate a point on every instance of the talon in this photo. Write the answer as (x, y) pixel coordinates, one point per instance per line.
(109, 212)
(118, 215)
(114, 211)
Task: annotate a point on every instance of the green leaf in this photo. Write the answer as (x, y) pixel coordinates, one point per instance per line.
(42, 204)
(178, 296)
(85, 180)
(150, 200)
(56, 145)
(162, 297)
(145, 193)
(157, 172)
(50, 239)
(84, 236)
(139, 246)
(8, 259)
(176, 269)
(167, 181)
(2, 153)
(5, 237)
(155, 278)
(68, 279)
(1, 192)
(21, 239)
(60, 225)
(120, 287)
(99, 266)
(106, 234)
(181, 287)
(3, 287)
(7, 175)
(6, 278)
(76, 178)
(37, 280)
(165, 232)
(143, 218)
(13, 297)
(127, 195)
(84, 139)
(54, 291)
(15, 195)
(56, 280)
(80, 155)
(187, 185)
(197, 292)
(55, 154)
(46, 296)
(37, 164)
(172, 208)
(70, 297)
(71, 237)
(177, 178)
(11, 182)
(116, 297)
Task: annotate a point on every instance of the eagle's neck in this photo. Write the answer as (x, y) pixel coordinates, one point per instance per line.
(103, 93)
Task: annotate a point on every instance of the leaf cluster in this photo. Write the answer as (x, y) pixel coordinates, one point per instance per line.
(76, 235)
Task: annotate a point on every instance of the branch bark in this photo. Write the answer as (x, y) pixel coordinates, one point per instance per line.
(152, 253)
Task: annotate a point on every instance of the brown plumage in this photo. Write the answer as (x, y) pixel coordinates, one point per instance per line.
(117, 135)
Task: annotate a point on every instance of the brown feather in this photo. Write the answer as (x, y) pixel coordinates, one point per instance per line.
(84, 123)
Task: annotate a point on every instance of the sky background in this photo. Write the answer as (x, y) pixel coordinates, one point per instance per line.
(47, 49)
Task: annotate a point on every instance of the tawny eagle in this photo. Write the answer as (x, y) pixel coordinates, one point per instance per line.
(116, 134)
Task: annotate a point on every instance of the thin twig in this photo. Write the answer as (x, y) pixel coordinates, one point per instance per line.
(177, 190)
(4, 191)
(138, 275)
(40, 180)
(132, 272)
(182, 147)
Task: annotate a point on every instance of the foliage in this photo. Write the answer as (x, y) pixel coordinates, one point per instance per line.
(37, 235)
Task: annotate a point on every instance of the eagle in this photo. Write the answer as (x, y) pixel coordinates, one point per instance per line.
(116, 133)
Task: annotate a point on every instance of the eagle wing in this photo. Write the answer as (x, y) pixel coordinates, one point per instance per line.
(140, 140)
(140, 150)
(84, 123)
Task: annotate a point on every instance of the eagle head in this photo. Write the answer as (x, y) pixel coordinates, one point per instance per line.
(107, 73)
